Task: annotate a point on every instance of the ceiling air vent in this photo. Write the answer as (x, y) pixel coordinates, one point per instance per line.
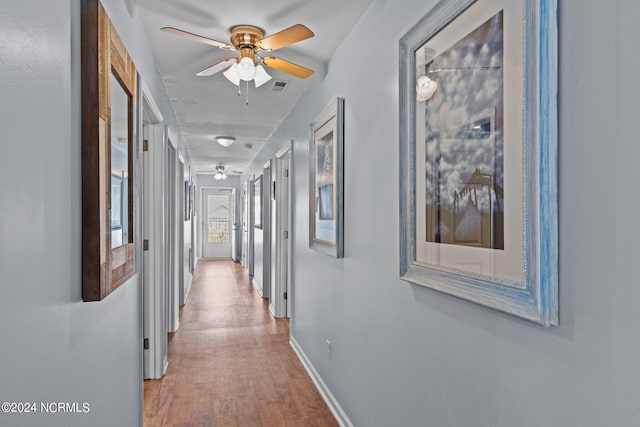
(280, 86)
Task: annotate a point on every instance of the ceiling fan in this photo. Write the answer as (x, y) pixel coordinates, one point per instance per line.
(221, 174)
(247, 41)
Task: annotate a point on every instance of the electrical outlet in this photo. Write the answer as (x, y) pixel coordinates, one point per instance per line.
(328, 350)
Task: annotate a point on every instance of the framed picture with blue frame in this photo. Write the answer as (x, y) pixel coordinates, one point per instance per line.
(478, 154)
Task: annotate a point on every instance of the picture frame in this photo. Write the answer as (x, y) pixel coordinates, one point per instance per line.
(192, 201)
(109, 92)
(187, 201)
(326, 182)
(257, 202)
(478, 154)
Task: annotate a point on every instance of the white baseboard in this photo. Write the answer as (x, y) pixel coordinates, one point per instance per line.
(329, 398)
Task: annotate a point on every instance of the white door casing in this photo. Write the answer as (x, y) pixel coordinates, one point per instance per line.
(171, 255)
(245, 226)
(282, 235)
(155, 359)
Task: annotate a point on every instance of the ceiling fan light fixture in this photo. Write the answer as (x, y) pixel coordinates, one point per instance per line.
(220, 173)
(232, 74)
(261, 76)
(225, 141)
(246, 69)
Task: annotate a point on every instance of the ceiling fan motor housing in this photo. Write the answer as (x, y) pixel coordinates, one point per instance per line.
(245, 39)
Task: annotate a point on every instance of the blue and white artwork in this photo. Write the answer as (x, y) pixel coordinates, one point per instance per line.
(464, 164)
(325, 217)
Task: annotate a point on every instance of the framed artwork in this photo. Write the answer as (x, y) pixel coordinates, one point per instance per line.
(478, 154)
(186, 201)
(192, 200)
(257, 202)
(326, 203)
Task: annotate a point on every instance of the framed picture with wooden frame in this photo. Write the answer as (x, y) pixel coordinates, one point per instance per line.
(326, 203)
(478, 154)
(109, 91)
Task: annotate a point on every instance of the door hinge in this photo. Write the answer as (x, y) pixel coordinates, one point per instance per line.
(145, 343)
(145, 245)
(286, 295)
(145, 145)
(286, 234)
(286, 172)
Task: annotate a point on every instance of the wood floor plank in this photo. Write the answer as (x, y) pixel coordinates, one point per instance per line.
(230, 363)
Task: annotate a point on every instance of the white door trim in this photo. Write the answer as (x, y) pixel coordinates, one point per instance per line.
(267, 189)
(244, 258)
(282, 258)
(251, 228)
(171, 258)
(154, 293)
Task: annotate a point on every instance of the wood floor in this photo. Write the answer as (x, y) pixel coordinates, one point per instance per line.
(230, 363)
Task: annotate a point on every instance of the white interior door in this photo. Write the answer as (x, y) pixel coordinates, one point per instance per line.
(217, 208)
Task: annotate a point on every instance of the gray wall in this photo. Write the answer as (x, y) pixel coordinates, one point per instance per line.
(55, 348)
(408, 356)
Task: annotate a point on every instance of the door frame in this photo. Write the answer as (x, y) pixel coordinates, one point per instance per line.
(154, 301)
(180, 224)
(232, 214)
(267, 194)
(244, 255)
(281, 305)
(250, 253)
(171, 247)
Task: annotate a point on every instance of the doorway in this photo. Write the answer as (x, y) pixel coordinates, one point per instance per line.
(171, 264)
(155, 299)
(218, 206)
(280, 303)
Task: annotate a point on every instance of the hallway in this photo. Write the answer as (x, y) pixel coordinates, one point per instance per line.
(230, 363)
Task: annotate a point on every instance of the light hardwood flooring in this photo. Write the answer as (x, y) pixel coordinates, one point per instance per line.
(230, 363)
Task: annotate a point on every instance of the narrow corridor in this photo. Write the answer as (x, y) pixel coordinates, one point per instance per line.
(230, 363)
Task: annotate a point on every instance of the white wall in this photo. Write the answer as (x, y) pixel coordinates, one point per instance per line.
(56, 348)
(409, 356)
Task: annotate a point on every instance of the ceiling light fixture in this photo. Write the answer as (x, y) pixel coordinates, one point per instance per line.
(225, 141)
(246, 70)
(232, 74)
(220, 173)
(261, 76)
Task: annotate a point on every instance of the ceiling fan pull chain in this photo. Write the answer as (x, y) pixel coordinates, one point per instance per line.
(247, 102)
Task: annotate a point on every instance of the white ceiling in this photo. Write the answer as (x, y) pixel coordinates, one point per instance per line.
(210, 106)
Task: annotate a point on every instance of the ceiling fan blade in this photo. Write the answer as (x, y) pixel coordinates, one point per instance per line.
(285, 37)
(197, 38)
(217, 67)
(286, 66)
